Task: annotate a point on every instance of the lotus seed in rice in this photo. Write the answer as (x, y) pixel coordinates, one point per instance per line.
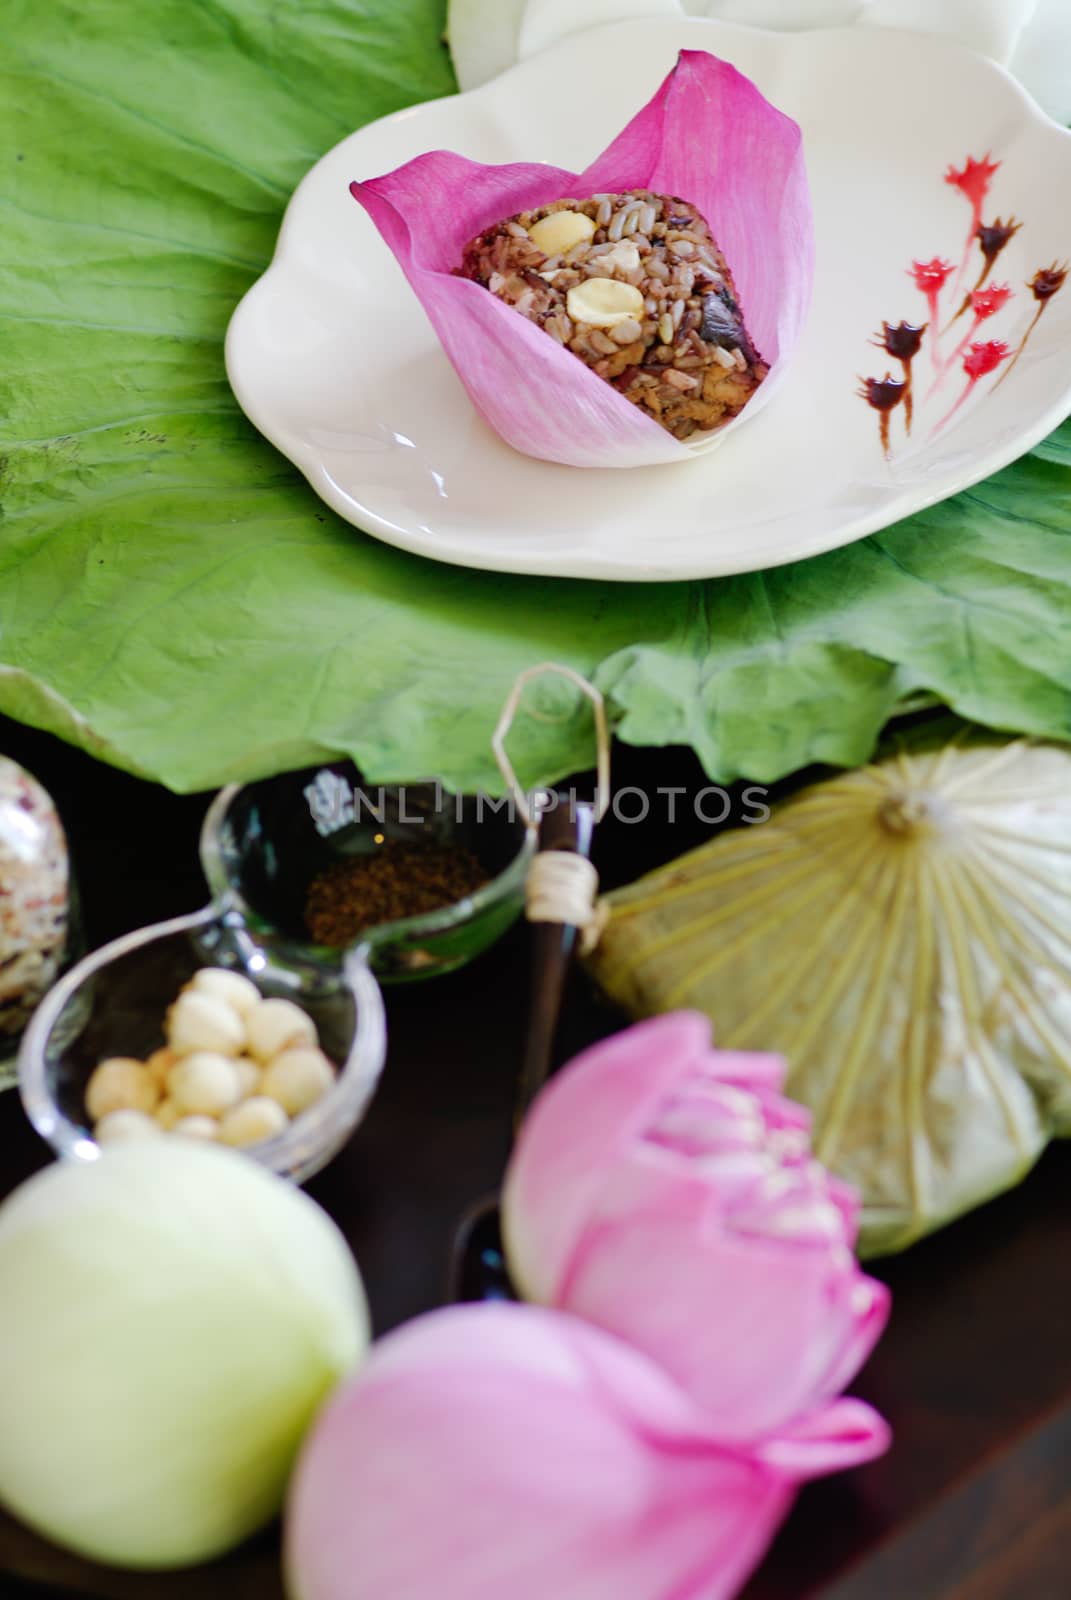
(636, 287)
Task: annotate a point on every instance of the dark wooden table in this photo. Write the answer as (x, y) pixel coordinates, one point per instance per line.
(974, 1501)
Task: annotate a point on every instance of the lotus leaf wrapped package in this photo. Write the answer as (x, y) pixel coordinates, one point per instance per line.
(624, 316)
(902, 935)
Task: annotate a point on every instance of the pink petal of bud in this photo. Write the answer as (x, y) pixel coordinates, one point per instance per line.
(510, 1453)
(545, 1201)
(836, 1436)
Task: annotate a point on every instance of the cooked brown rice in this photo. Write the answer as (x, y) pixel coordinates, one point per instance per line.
(685, 357)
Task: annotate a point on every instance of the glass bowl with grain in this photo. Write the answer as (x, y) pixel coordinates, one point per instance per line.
(319, 862)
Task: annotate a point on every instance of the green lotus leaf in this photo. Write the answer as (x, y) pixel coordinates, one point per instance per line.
(173, 596)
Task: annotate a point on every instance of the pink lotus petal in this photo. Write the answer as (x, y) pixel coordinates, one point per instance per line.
(850, 1204)
(709, 1118)
(756, 1331)
(579, 1117)
(751, 1069)
(504, 1451)
(711, 137)
(841, 1435)
(688, 1217)
(708, 136)
(778, 1110)
(539, 397)
(870, 1305)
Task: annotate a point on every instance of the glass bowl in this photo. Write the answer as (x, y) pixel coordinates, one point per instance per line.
(113, 1003)
(263, 843)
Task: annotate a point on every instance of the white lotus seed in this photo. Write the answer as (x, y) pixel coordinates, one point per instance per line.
(248, 1076)
(204, 1022)
(297, 1079)
(196, 1128)
(240, 993)
(120, 1084)
(254, 1120)
(167, 1113)
(624, 257)
(604, 302)
(559, 232)
(121, 1127)
(277, 1025)
(159, 1064)
(205, 1083)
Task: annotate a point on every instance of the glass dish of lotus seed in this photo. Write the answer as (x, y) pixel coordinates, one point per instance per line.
(187, 1029)
(235, 1068)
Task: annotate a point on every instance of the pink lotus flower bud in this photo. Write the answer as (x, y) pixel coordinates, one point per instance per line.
(501, 1452)
(666, 1192)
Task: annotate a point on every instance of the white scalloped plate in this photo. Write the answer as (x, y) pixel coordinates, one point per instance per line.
(332, 358)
